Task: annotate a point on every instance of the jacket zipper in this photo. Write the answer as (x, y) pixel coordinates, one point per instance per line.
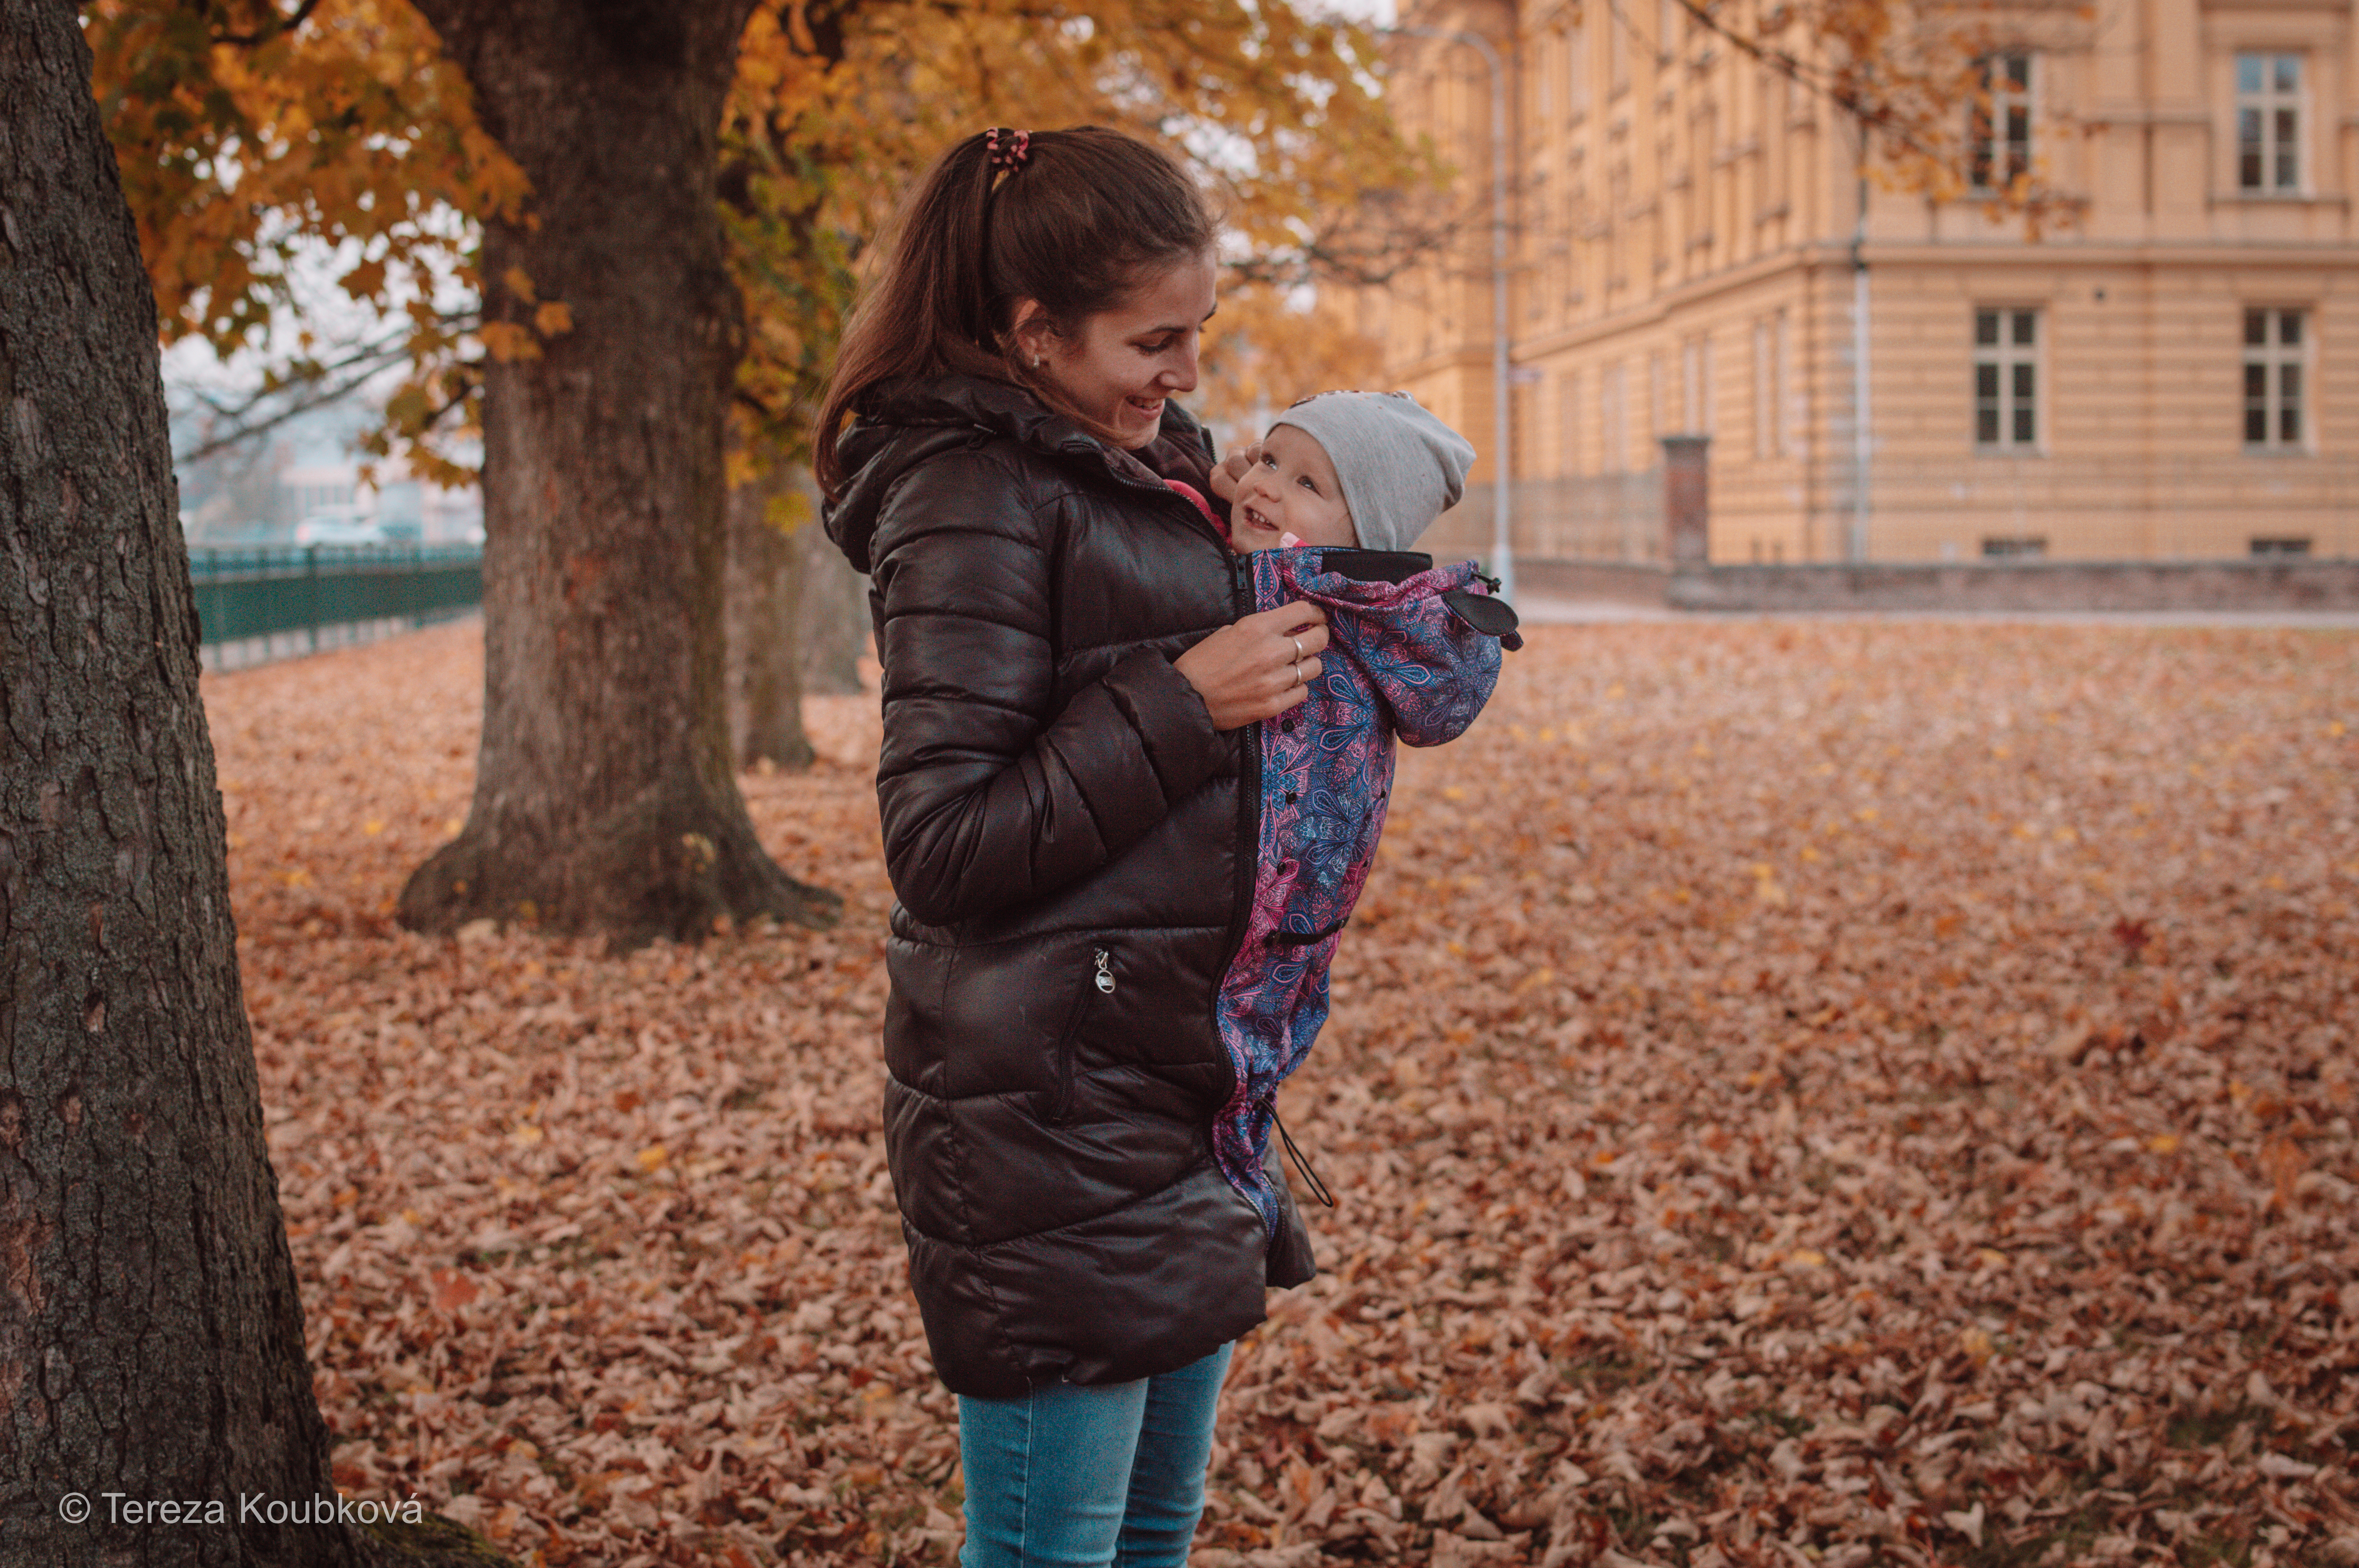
(1061, 1109)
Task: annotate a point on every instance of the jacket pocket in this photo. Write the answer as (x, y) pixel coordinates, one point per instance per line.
(1099, 983)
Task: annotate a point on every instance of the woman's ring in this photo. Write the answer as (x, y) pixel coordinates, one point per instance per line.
(1297, 648)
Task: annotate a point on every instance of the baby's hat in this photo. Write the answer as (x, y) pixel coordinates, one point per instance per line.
(1400, 466)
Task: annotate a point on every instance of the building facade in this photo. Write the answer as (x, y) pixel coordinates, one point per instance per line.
(1696, 247)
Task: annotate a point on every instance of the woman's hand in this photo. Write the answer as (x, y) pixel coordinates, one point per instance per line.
(1231, 475)
(1260, 665)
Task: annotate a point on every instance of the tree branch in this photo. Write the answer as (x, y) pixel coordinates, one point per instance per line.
(279, 27)
(327, 384)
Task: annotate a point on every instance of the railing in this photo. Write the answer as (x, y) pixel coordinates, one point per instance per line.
(1612, 518)
(291, 600)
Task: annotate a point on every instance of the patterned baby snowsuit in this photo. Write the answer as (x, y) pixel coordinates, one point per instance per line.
(1414, 651)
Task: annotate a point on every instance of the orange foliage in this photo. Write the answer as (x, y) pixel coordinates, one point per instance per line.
(250, 137)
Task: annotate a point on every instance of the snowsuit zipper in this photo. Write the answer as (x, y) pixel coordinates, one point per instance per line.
(1248, 813)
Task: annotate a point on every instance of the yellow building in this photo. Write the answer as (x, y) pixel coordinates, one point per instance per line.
(2173, 373)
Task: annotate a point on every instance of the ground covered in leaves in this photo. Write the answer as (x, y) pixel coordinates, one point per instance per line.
(1808, 1094)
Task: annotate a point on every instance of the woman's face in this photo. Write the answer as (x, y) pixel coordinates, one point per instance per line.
(1125, 361)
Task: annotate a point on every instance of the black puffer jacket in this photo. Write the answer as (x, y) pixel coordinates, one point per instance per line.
(1071, 843)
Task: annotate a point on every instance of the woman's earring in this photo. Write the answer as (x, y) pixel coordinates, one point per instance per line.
(1035, 361)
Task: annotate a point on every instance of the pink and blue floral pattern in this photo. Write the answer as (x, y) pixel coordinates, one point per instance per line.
(1401, 662)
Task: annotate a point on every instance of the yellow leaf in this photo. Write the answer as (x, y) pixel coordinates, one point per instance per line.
(525, 1136)
(508, 343)
(1976, 1344)
(519, 282)
(373, 826)
(553, 319)
(1807, 1258)
(652, 1158)
(2163, 1144)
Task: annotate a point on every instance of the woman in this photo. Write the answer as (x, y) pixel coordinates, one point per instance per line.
(1067, 824)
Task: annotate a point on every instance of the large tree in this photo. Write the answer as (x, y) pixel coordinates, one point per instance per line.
(151, 1336)
(605, 795)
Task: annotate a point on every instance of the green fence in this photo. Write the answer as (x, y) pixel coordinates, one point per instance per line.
(279, 592)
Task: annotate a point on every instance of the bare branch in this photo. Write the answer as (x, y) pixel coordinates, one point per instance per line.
(278, 28)
(323, 385)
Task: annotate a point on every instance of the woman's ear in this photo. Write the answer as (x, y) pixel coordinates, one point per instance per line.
(1032, 330)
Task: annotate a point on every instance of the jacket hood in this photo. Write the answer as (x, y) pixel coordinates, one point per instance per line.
(911, 421)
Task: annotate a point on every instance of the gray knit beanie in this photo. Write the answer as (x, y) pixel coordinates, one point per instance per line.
(1400, 466)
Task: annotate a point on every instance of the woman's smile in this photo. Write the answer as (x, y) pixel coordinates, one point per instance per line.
(1123, 363)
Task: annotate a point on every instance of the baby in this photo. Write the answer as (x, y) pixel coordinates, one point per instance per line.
(1333, 458)
(1324, 509)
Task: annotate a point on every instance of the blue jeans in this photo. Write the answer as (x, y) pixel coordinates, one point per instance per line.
(1074, 1478)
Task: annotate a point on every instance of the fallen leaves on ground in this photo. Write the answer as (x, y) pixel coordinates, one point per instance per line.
(1808, 1094)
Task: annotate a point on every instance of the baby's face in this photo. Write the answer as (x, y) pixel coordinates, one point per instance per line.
(1291, 489)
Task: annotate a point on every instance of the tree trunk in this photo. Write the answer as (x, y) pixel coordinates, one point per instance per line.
(836, 632)
(766, 590)
(151, 1335)
(604, 798)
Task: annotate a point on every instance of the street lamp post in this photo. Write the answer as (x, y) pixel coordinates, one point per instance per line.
(1503, 552)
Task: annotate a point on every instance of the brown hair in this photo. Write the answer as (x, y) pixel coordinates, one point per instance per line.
(1074, 223)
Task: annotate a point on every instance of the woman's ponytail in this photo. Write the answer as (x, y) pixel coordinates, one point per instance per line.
(1069, 219)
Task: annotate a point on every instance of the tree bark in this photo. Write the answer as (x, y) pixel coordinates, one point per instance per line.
(604, 796)
(151, 1334)
(766, 591)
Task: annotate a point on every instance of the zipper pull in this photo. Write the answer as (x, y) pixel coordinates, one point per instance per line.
(1106, 972)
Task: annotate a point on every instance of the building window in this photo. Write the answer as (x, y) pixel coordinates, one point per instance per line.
(2268, 122)
(2006, 380)
(1772, 419)
(1569, 406)
(2014, 547)
(2273, 392)
(1658, 404)
(1695, 387)
(1765, 396)
(2280, 544)
(1789, 408)
(1614, 419)
(2000, 135)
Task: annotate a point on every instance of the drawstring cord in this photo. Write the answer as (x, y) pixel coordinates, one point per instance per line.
(1318, 1188)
